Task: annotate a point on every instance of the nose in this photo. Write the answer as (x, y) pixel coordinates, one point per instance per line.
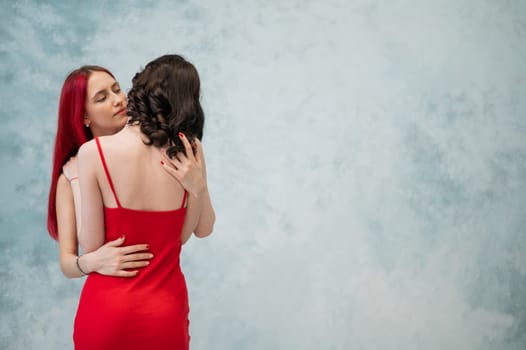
(119, 99)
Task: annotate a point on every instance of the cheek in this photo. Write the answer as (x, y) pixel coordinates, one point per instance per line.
(124, 100)
(100, 114)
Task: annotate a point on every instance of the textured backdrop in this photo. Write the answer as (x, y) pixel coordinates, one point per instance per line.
(366, 161)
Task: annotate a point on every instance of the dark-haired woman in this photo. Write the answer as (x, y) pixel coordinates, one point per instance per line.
(148, 181)
(91, 105)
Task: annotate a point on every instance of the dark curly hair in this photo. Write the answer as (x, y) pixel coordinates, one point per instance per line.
(164, 100)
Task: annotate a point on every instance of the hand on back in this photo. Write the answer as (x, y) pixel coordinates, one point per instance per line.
(113, 260)
(188, 169)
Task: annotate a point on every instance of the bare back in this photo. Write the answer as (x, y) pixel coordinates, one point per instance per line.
(138, 178)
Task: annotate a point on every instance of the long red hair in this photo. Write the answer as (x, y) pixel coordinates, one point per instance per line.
(71, 132)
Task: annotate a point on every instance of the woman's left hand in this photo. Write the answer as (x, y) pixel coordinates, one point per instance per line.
(187, 169)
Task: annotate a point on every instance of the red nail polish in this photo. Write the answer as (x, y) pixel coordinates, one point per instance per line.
(181, 135)
(162, 163)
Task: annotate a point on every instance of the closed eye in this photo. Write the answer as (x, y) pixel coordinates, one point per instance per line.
(116, 88)
(101, 98)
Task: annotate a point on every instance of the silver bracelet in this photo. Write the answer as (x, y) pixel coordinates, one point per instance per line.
(78, 266)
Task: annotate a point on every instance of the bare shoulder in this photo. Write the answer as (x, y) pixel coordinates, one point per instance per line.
(125, 143)
(87, 151)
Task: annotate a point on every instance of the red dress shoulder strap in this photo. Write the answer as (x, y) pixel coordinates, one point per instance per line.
(184, 199)
(108, 173)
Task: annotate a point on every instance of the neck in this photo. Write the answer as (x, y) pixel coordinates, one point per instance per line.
(136, 129)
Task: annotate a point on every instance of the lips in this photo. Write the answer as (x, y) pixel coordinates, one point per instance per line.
(121, 112)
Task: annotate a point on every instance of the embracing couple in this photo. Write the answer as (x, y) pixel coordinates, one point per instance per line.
(129, 186)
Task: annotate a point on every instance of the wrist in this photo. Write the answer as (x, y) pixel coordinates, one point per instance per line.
(199, 192)
(81, 265)
(204, 191)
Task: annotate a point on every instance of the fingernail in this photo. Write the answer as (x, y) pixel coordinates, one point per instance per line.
(181, 135)
(162, 163)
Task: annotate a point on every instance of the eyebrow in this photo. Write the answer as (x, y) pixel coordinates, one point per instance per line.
(104, 90)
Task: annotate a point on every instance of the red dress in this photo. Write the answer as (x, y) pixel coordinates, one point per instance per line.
(150, 310)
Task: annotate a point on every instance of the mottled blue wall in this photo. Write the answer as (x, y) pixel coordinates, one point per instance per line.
(367, 163)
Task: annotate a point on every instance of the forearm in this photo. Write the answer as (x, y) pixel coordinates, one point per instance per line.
(193, 211)
(207, 217)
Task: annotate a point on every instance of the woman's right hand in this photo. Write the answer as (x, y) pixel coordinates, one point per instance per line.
(113, 260)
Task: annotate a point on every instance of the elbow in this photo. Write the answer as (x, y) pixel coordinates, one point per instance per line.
(65, 271)
(206, 226)
(202, 232)
(69, 275)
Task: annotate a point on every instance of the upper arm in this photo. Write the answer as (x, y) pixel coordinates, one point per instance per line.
(66, 225)
(91, 234)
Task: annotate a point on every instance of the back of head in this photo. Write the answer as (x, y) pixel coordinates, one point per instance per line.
(164, 100)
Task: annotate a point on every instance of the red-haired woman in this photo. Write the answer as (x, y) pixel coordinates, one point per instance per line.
(91, 105)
